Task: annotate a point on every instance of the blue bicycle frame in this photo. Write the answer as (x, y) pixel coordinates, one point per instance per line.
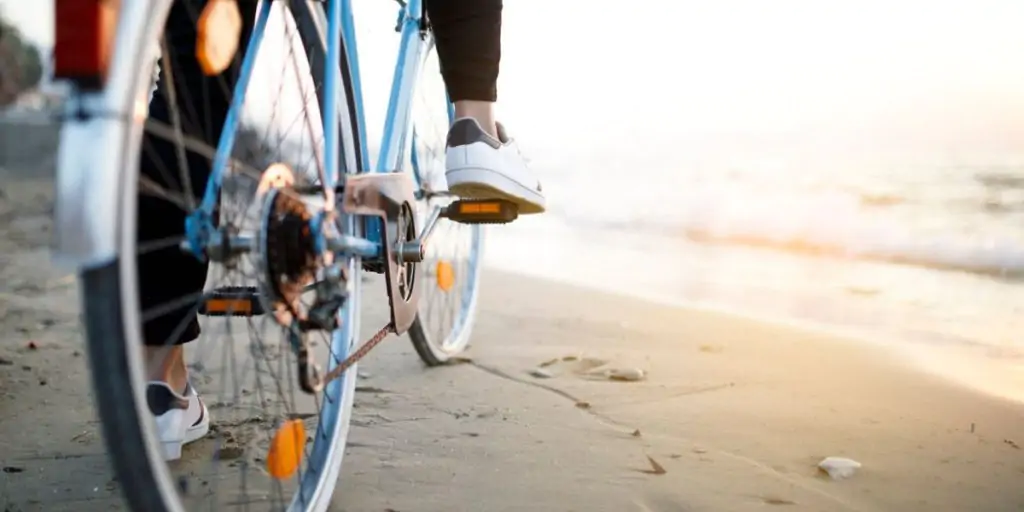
(340, 27)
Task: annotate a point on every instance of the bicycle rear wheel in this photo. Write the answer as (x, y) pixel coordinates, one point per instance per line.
(249, 384)
(451, 267)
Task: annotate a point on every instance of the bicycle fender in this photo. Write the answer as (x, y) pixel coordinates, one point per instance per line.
(100, 129)
(88, 189)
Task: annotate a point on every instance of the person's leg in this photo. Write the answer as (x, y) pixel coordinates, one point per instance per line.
(169, 275)
(482, 161)
(467, 34)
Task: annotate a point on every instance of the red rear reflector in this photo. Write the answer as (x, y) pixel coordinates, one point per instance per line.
(84, 38)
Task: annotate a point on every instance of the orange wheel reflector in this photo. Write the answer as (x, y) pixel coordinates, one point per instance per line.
(286, 449)
(445, 276)
(219, 27)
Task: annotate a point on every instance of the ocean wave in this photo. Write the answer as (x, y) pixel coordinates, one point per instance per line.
(1000, 260)
(884, 227)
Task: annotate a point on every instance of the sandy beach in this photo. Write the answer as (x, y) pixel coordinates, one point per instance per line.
(734, 414)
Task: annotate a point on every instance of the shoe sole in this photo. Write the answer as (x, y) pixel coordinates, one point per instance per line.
(477, 183)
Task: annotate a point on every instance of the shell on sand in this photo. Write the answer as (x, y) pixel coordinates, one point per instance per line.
(839, 467)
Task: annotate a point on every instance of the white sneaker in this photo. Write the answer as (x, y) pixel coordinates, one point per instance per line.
(179, 419)
(479, 166)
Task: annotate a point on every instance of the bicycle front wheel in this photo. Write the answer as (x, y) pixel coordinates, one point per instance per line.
(243, 364)
(451, 266)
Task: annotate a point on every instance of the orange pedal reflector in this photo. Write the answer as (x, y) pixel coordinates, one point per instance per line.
(232, 301)
(481, 211)
(219, 28)
(84, 32)
(445, 276)
(286, 449)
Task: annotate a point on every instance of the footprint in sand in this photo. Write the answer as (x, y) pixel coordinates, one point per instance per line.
(587, 368)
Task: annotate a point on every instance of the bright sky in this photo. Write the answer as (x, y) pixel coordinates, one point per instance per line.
(34, 18)
(688, 67)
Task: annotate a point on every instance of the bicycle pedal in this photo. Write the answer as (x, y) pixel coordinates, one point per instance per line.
(481, 211)
(232, 301)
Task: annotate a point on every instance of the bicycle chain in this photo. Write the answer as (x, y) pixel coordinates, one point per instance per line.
(358, 354)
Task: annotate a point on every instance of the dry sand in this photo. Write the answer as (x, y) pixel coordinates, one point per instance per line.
(734, 413)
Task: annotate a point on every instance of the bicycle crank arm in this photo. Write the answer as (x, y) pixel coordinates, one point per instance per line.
(463, 211)
(414, 250)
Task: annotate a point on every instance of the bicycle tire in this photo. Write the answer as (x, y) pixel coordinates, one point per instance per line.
(112, 333)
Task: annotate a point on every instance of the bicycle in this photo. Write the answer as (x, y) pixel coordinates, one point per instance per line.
(314, 229)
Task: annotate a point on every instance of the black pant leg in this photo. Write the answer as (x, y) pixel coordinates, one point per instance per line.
(468, 38)
(170, 274)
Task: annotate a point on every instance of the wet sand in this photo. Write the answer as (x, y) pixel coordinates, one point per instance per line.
(733, 414)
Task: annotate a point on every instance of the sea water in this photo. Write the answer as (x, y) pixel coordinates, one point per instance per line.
(941, 261)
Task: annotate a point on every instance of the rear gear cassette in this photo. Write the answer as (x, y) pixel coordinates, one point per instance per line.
(289, 252)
